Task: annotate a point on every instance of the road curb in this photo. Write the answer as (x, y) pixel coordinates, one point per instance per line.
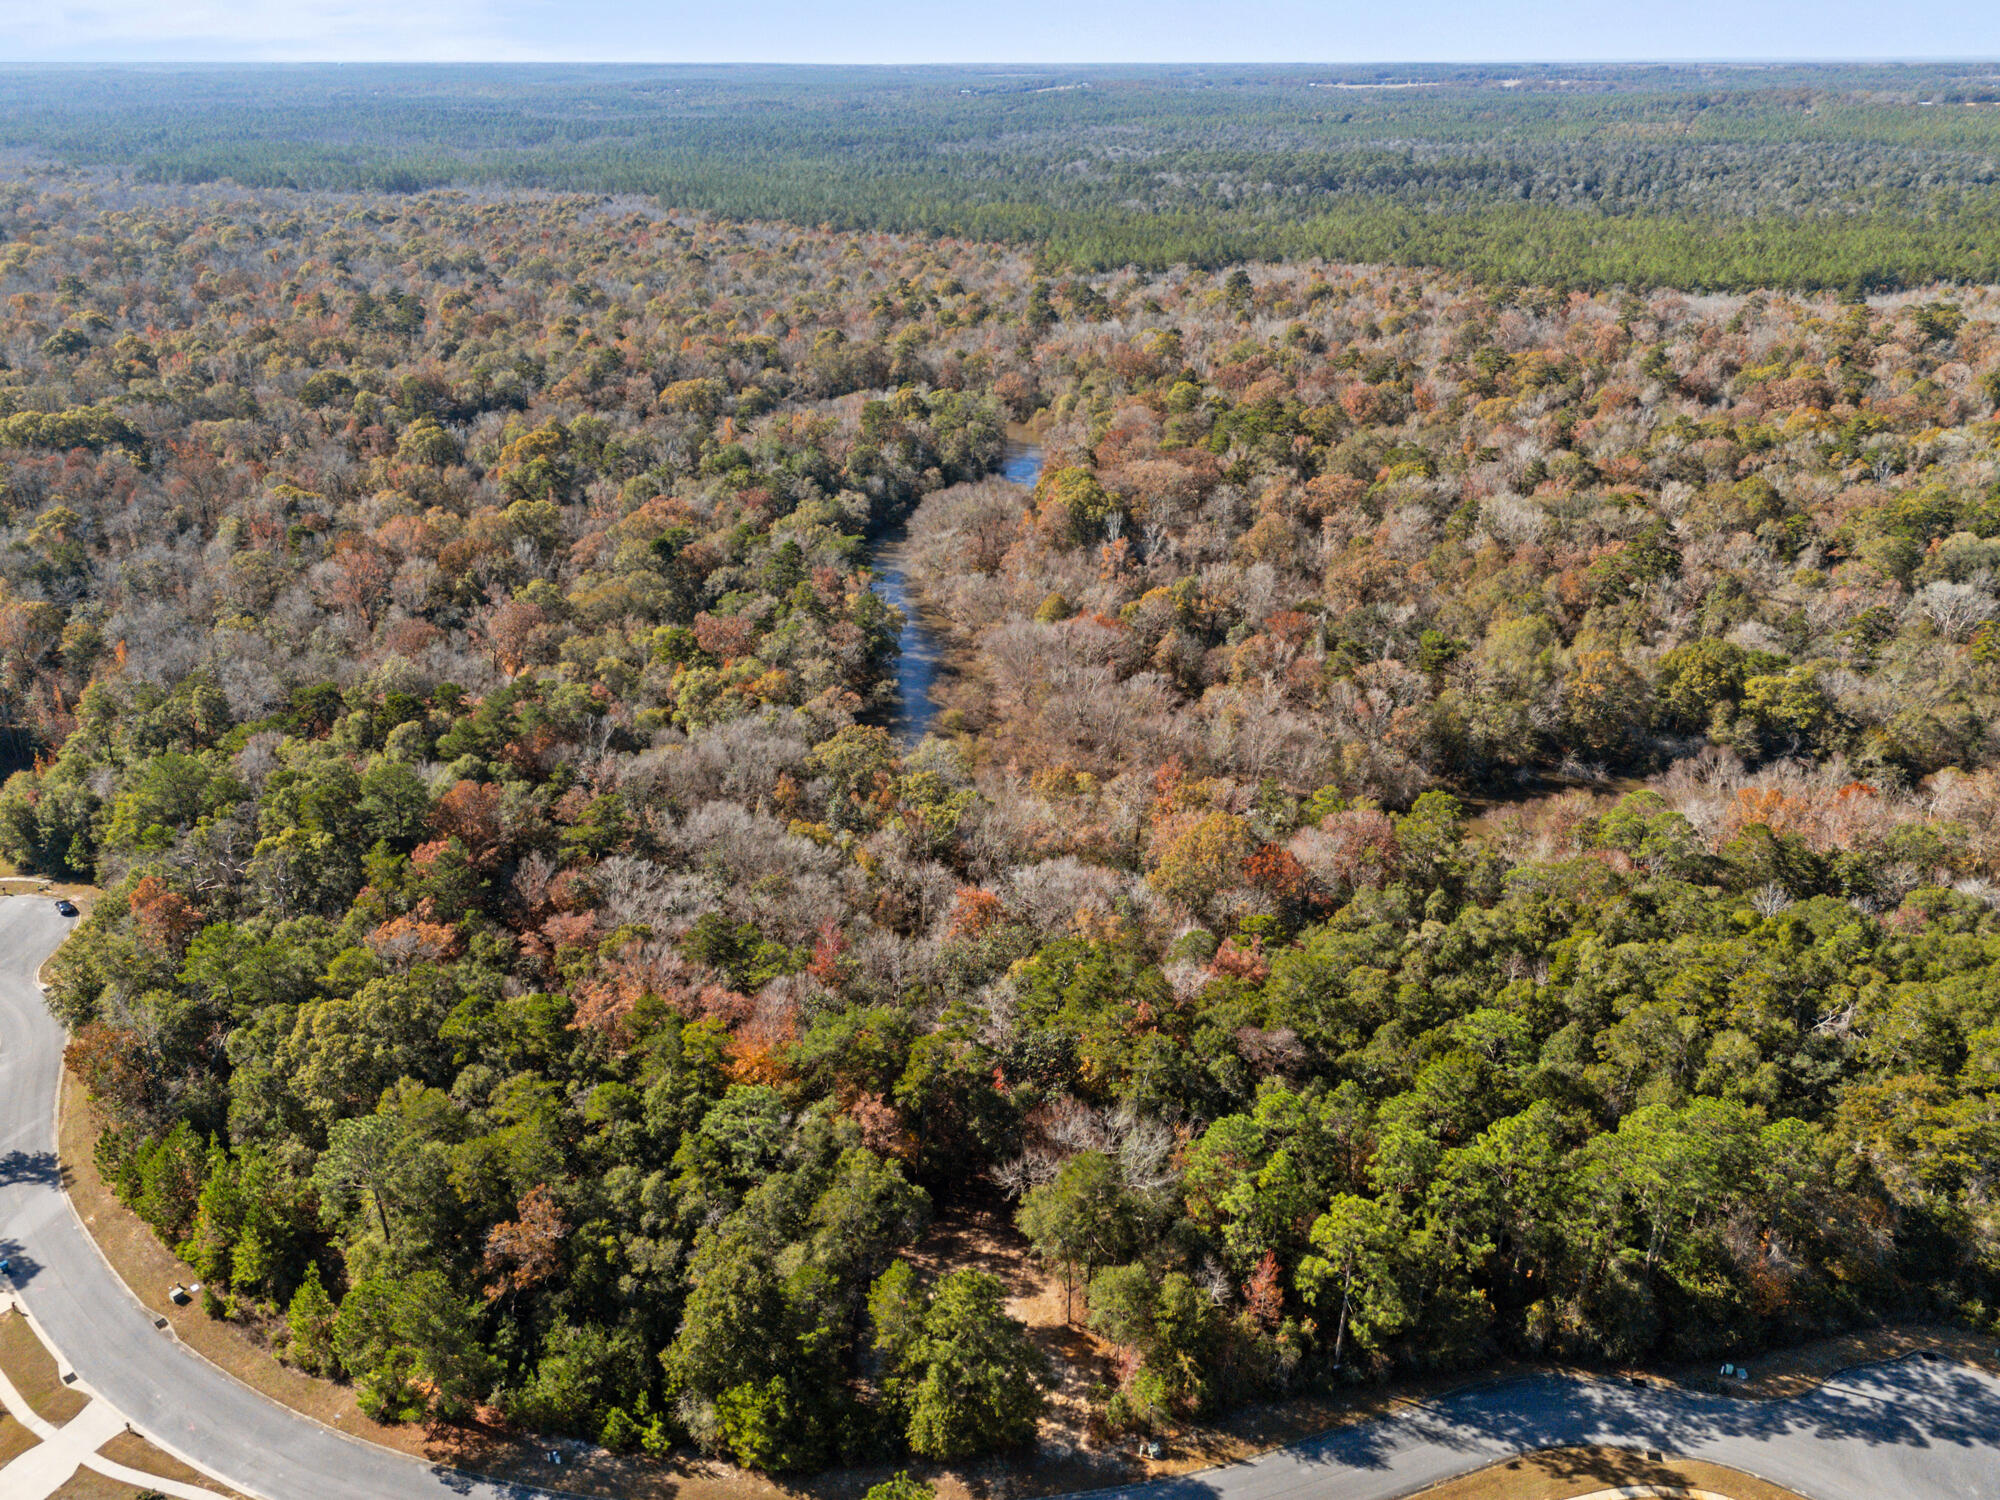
(519, 1487)
(62, 1187)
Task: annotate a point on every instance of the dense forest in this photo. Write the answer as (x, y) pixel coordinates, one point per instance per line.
(1695, 177)
(1467, 822)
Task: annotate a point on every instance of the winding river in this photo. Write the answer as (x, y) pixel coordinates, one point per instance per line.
(920, 649)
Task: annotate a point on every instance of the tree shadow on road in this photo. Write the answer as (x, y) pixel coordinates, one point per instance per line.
(38, 1167)
(22, 1267)
(1912, 1403)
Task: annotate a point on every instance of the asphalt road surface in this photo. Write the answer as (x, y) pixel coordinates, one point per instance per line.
(104, 1334)
(1911, 1430)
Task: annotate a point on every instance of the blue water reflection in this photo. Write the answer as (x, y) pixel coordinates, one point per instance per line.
(920, 651)
(1023, 463)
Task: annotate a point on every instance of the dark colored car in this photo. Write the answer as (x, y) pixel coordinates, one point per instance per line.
(67, 908)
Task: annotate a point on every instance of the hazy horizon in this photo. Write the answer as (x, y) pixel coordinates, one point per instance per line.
(1034, 33)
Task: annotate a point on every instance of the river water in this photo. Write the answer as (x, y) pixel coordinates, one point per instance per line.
(920, 650)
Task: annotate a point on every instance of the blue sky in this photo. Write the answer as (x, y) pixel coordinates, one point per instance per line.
(1041, 31)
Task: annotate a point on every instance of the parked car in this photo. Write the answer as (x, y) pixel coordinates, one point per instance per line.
(66, 907)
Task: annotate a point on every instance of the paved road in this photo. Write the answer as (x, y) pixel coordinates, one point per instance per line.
(1910, 1430)
(1914, 1429)
(98, 1327)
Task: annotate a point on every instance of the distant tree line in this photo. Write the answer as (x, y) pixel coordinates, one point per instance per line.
(1700, 178)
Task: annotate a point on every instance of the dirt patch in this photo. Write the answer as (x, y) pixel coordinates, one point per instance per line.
(33, 1371)
(1562, 1473)
(134, 1452)
(1072, 1455)
(982, 1237)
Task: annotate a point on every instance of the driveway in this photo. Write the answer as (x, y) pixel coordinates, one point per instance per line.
(1913, 1430)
